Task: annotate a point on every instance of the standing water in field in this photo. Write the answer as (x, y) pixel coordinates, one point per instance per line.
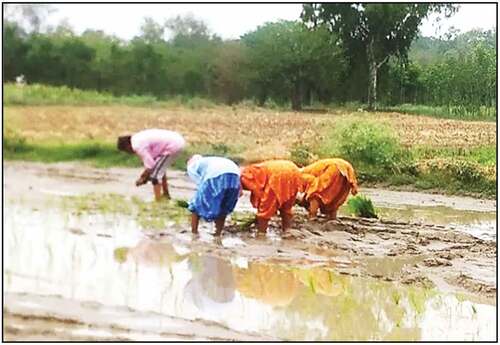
(78, 267)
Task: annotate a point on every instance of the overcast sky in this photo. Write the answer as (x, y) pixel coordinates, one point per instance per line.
(229, 20)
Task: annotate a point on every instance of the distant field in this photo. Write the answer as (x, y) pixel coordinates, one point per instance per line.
(452, 156)
(255, 133)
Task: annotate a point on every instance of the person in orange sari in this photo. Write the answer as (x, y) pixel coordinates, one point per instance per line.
(327, 185)
(274, 186)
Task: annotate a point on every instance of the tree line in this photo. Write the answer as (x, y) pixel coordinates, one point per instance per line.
(336, 53)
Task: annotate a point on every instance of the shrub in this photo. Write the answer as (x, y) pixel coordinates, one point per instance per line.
(301, 154)
(361, 206)
(367, 144)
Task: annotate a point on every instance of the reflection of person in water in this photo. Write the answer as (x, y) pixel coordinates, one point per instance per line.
(270, 284)
(150, 253)
(212, 285)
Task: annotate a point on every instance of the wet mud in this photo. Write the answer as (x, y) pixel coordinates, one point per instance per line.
(78, 275)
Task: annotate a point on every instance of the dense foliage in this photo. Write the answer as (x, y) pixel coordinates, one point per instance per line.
(283, 63)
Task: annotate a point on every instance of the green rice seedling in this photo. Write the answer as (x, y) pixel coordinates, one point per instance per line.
(361, 206)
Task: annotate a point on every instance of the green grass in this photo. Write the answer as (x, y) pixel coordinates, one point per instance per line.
(361, 206)
(378, 158)
(369, 145)
(98, 153)
(149, 215)
(473, 113)
(484, 155)
(37, 94)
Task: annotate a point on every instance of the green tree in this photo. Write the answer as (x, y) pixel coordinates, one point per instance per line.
(151, 31)
(230, 72)
(14, 51)
(287, 57)
(380, 30)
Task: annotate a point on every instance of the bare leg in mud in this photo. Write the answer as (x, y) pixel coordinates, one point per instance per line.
(286, 221)
(262, 225)
(164, 186)
(195, 220)
(332, 215)
(314, 205)
(157, 191)
(219, 225)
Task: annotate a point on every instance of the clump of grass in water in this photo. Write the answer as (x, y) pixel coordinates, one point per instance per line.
(361, 206)
(182, 203)
(243, 219)
(156, 214)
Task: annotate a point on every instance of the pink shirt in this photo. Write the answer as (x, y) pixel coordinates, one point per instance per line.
(151, 144)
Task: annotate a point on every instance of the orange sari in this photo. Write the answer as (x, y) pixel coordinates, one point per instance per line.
(273, 185)
(330, 181)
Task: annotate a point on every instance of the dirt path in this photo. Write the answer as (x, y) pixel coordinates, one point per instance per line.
(404, 253)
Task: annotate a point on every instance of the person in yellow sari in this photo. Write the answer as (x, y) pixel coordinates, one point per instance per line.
(274, 186)
(327, 185)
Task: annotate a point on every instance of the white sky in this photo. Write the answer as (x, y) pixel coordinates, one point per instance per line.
(229, 20)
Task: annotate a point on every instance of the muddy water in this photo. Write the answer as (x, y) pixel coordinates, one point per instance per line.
(90, 265)
(477, 223)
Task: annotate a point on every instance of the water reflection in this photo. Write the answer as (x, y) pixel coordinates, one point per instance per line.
(212, 283)
(123, 269)
(270, 284)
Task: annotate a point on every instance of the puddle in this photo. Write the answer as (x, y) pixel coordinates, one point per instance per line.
(478, 224)
(103, 260)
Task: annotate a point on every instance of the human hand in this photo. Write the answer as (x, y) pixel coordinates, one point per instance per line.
(140, 182)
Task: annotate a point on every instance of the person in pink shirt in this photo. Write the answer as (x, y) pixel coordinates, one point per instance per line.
(157, 148)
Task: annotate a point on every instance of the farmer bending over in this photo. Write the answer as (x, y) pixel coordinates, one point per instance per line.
(218, 189)
(274, 186)
(157, 148)
(327, 185)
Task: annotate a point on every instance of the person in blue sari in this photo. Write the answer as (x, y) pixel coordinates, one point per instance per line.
(217, 190)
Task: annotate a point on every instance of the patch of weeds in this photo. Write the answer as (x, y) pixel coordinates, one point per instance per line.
(302, 154)
(483, 155)
(156, 214)
(457, 177)
(97, 203)
(149, 215)
(361, 206)
(14, 143)
(365, 143)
